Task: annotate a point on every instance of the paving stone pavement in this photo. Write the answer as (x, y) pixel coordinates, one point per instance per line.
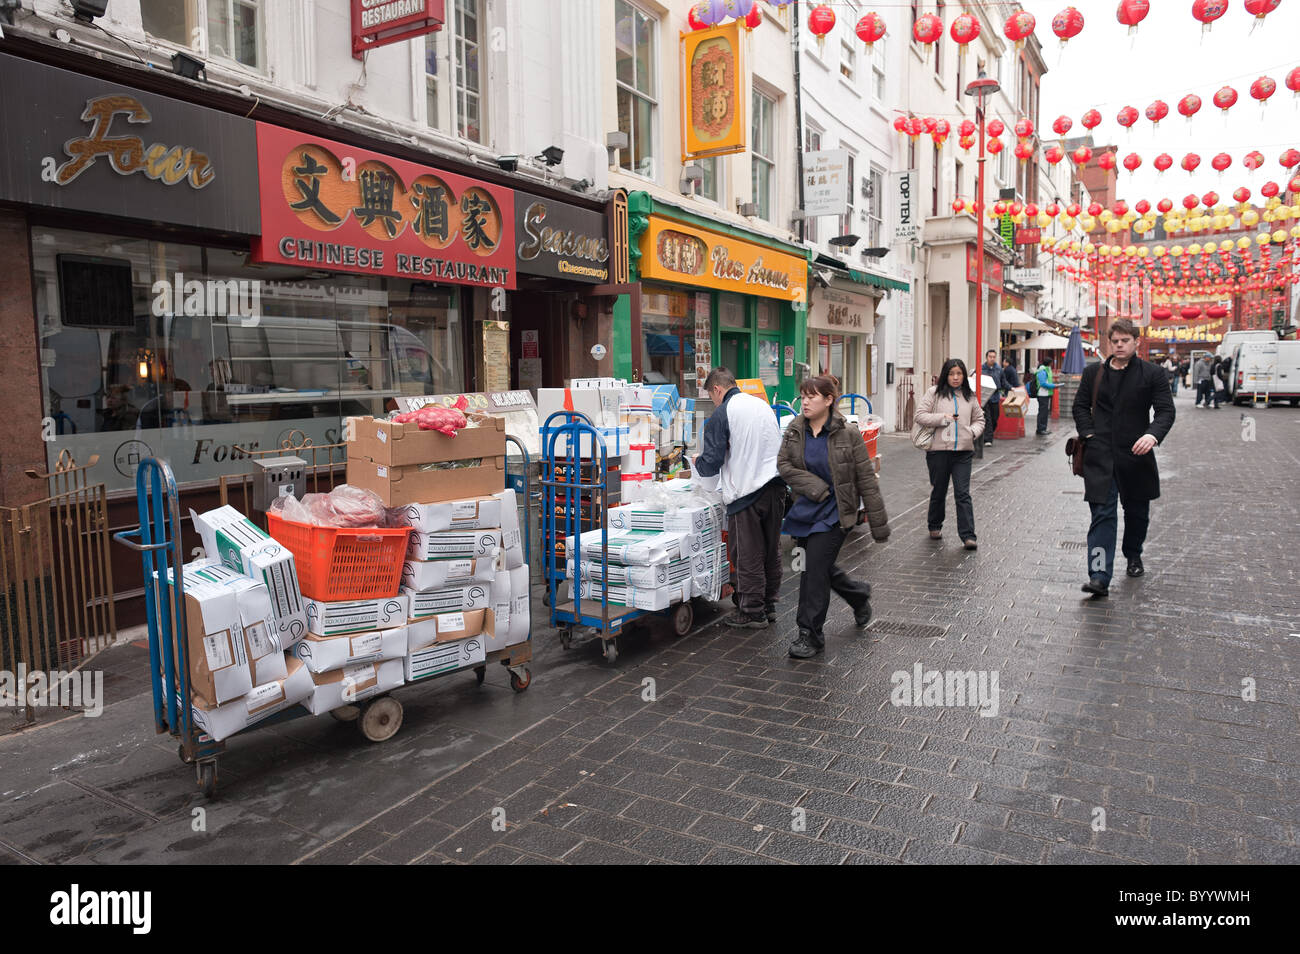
(1122, 732)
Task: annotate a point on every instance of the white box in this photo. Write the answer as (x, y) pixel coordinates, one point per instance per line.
(214, 640)
(640, 547)
(257, 619)
(451, 599)
(637, 399)
(356, 616)
(443, 628)
(435, 574)
(512, 554)
(636, 487)
(352, 684)
(222, 721)
(445, 657)
(638, 429)
(469, 514)
(509, 510)
(454, 545)
(521, 601)
(323, 653)
(639, 459)
(645, 577)
(657, 598)
(711, 518)
(497, 622)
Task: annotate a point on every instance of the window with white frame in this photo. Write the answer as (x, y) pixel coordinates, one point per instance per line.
(224, 29)
(453, 73)
(848, 60)
(878, 70)
(763, 145)
(711, 185)
(846, 220)
(876, 207)
(812, 141)
(635, 54)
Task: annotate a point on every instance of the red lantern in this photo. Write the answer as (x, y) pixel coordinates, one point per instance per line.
(1107, 161)
(1095, 209)
(1210, 200)
(1024, 128)
(966, 142)
(995, 146)
(1189, 106)
(1063, 123)
(1091, 119)
(1018, 27)
(1242, 194)
(1190, 311)
(1132, 12)
(1052, 210)
(900, 124)
(958, 205)
(1120, 208)
(1164, 161)
(1067, 24)
(1216, 311)
(1132, 161)
(942, 129)
(754, 17)
(915, 126)
(821, 20)
(1164, 205)
(997, 127)
(1082, 156)
(1294, 185)
(1261, 8)
(1161, 313)
(1031, 210)
(1015, 208)
(1221, 162)
(1289, 158)
(928, 123)
(1157, 111)
(1263, 88)
(965, 29)
(1073, 210)
(1053, 154)
(927, 29)
(1142, 207)
(694, 22)
(870, 29)
(967, 128)
(1293, 81)
(1127, 117)
(1225, 98)
(1024, 152)
(1190, 202)
(999, 208)
(1207, 11)
(1191, 161)
(1254, 159)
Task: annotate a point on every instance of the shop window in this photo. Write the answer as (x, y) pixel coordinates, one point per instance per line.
(876, 208)
(235, 357)
(635, 56)
(846, 220)
(454, 92)
(711, 185)
(731, 311)
(830, 355)
(878, 71)
(769, 315)
(670, 318)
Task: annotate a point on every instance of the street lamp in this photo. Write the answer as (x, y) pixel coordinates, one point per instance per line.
(980, 87)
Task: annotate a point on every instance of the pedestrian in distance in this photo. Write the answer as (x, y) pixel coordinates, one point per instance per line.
(739, 446)
(993, 400)
(1010, 377)
(951, 410)
(1171, 370)
(1043, 388)
(824, 460)
(1134, 412)
(1202, 373)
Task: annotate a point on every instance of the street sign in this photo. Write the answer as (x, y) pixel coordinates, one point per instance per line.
(907, 228)
(826, 182)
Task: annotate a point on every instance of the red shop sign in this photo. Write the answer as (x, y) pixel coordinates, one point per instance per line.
(992, 269)
(335, 207)
(377, 23)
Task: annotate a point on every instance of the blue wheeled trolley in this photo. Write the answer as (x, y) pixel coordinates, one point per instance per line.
(566, 480)
(158, 541)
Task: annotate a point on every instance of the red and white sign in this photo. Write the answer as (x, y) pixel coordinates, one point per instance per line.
(377, 23)
(530, 344)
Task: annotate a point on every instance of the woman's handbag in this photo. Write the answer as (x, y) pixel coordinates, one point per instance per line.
(922, 437)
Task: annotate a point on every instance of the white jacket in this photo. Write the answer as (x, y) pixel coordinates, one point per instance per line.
(740, 444)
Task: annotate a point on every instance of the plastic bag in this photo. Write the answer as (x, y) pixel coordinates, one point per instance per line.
(344, 506)
(445, 420)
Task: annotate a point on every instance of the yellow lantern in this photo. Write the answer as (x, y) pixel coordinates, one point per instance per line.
(1114, 225)
(1076, 247)
(1243, 243)
(1250, 218)
(1279, 236)
(1067, 222)
(1088, 248)
(1158, 251)
(1176, 251)
(1140, 227)
(1143, 251)
(1130, 251)
(1106, 216)
(1267, 216)
(1225, 245)
(1044, 220)
(1295, 231)
(1273, 203)
(1194, 248)
(1263, 238)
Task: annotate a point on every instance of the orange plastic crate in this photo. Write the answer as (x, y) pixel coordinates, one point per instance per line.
(337, 563)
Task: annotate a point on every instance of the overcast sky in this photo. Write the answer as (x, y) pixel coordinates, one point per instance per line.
(1106, 69)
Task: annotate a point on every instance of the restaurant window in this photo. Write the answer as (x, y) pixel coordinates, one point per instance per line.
(934, 183)
(848, 60)
(769, 315)
(763, 140)
(830, 355)
(238, 357)
(731, 311)
(938, 44)
(228, 29)
(668, 323)
(636, 72)
(453, 73)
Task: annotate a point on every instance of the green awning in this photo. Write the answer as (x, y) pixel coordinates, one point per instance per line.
(880, 281)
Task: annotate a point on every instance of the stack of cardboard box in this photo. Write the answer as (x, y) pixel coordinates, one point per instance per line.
(354, 650)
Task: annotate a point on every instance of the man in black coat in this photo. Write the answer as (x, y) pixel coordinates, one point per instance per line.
(1118, 463)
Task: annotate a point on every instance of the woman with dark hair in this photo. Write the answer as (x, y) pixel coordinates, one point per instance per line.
(824, 460)
(952, 412)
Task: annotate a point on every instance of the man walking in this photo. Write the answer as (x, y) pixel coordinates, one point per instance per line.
(1043, 378)
(1204, 379)
(739, 446)
(992, 401)
(1118, 462)
(1010, 378)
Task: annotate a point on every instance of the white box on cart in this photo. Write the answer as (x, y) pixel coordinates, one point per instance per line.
(221, 722)
(324, 653)
(356, 616)
(472, 514)
(445, 657)
(421, 575)
(352, 684)
(449, 599)
(454, 545)
(657, 598)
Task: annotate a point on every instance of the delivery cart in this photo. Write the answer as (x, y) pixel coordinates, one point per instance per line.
(158, 541)
(566, 478)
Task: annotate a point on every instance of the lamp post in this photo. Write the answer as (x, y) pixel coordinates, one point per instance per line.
(980, 87)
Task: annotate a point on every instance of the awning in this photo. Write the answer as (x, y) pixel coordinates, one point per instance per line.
(1013, 319)
(1043, 342)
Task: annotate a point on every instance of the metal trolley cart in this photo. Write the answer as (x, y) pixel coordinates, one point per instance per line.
(566, 480)
(158, 541)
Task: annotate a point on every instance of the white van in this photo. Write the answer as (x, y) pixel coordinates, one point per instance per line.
(1233, 338)
(1269, 369)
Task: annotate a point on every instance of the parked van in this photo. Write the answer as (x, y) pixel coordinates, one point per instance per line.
(1268, 369)
(1233, 338)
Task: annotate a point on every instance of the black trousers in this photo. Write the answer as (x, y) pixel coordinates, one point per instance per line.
(820, 576)
(1044, 411)
(957, 465)
(991, 411)
(754, 543)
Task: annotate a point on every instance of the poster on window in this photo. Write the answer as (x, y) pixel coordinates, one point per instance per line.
(713, 117)
(703, 341)
(769, 358)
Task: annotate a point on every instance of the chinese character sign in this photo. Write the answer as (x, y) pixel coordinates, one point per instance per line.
(714, 118)
(826, 182)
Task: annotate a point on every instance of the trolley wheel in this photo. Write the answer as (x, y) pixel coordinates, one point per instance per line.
(480, 673)
(546, 596)
(519, 683)
(206, 774)
(611, 651)
(381, 719)
(566, 639)
(346, 713)
(180, 752)
(683, 617)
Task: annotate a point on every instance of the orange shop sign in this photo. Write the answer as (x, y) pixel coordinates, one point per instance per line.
(679, 253)
(713, 100)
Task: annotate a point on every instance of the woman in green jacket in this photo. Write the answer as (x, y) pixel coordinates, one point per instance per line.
(824, 460)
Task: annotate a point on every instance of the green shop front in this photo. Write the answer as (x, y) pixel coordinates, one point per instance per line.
(705, 295)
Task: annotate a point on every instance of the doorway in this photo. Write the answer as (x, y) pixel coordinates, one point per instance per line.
(736, 353)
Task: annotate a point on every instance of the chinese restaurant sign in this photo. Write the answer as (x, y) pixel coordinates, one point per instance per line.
(679, 253)
(332, 206)
(77, 143)
(560, 240)
(377, 23)
(713, 111)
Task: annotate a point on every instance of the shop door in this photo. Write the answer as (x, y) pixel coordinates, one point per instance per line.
(735, 353)
(769, 363)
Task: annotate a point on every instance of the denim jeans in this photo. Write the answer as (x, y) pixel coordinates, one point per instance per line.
(1105, 523)
(1044, 411)
(957, 465)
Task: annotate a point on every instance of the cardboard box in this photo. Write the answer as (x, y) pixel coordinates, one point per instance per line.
(521, 604)
(392, 444)
(447, 657)
(398, 485)
(496, 628)
(638, 429)
(243, 547)
(648, 577)
(639, 459)
(663, 402)
(512, 549)
(356, 616)
(468, 514)
(256, 617)
(451, 599)
(214, 640)
(454, 545)
(222, 721)
(635, 487)
(657, 598)
(443, 628)
(350, 685)
(637, 399)
(323, 653)
(435, 574)
(640, 547)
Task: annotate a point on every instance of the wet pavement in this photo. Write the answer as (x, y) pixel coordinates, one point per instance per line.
(1159, 725)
